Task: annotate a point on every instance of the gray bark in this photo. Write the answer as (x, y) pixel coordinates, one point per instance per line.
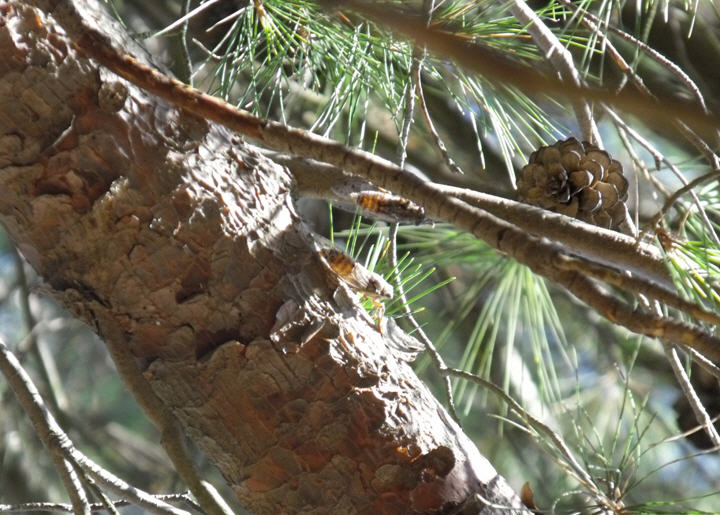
(178, 242)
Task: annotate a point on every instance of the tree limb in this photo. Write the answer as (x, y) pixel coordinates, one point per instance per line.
(562, 61)
(183, 239)
(60, 446)
(531, 251)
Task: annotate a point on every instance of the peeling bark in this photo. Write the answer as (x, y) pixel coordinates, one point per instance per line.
(178, 241)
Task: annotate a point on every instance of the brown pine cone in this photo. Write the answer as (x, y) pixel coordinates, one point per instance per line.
(578, 180)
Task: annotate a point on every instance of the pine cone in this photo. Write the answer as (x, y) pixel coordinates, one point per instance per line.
(578, 180)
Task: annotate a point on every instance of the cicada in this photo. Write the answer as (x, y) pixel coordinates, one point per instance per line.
(389, 207)
(358, 278)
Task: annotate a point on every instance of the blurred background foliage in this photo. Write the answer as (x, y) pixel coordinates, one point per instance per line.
(609, 395)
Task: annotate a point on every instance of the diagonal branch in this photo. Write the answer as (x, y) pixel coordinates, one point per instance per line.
(496, 66)
(60, 446)
(31, 400)
(696, 404)
(610, 248)
(539, 255)
(562, 61)
(639, 287)
(572, 464)
(30, 507)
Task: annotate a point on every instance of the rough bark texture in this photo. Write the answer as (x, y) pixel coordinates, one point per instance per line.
(174, 238)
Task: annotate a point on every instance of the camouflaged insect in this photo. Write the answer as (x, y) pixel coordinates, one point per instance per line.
(389, 207)
(356, 276)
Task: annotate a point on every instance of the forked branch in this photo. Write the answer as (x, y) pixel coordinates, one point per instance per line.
(540, 255)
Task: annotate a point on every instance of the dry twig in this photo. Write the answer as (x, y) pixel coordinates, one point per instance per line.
(63, 451)
(562, 61)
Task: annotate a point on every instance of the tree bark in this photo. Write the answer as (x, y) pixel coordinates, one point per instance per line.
(179, 244)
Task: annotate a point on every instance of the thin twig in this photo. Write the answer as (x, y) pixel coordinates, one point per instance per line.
(184, 44)
(704, 363)
(449, 161)
(679, 193)
(94, 507)
(701, 414)
(409, 110)
(435, 356)
(562, 61)
(31, 401)
(185, 18)
(92, 487)
(700, 144)
(637, 162)
(696, 404)
(60, 446)
(438, 361)
(46, 367)
(660, 158)
(572, 463)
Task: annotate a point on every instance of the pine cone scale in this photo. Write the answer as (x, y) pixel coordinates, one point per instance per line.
(576, 179)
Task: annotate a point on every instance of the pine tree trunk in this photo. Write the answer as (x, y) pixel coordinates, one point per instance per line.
(178, 241)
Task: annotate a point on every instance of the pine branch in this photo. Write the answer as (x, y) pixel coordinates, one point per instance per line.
(529, 250)
(61, 448)
(562, 61)
(495, 66)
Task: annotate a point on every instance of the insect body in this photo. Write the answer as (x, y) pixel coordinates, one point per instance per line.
(390, 207)
(359, 279)
(356, 276)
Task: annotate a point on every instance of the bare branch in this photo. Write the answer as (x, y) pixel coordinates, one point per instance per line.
(562, 61)
(679, 193)
(636, 286)
(696, 404)
(660, 158)
(435, 356)
(570, 461)
(637, 320)
(449, 161)
(31, 401)
(60, 446)
(600, 245)
(37, 347)
(94, 507)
